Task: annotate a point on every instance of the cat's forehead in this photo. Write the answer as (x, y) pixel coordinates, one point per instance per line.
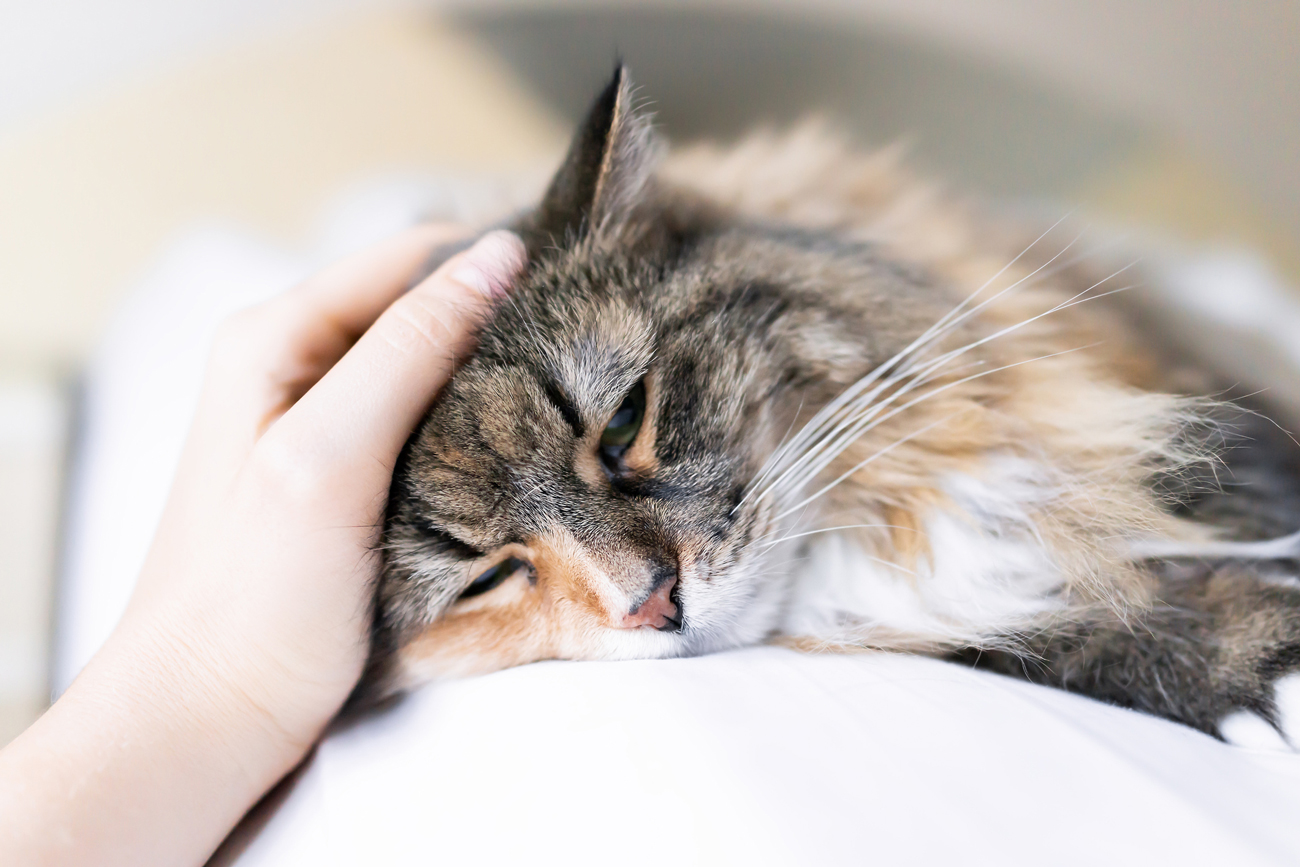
(586, 329)
(549, 369)
(492, 437)
(496, 454)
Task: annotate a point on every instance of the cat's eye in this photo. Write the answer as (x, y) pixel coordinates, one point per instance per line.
(624, 424)
(494, 577)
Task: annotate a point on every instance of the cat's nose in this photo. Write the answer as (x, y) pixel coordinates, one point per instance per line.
(659, 609)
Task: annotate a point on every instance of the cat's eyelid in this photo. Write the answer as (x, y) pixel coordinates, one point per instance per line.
(565, 406)
(499, 572)
(494, 576)
(450, 543)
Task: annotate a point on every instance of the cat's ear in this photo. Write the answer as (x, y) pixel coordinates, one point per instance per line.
(608, 164)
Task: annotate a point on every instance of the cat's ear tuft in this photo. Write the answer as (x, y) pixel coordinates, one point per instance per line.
(605, 171)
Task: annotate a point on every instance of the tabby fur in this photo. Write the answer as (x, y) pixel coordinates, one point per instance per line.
(875, 418)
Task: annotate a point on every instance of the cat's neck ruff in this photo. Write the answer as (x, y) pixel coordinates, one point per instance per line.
(987, 571)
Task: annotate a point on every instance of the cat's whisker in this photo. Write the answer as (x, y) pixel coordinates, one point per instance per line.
(826, 450)
(849, 418)
(1127, 288)
(854, 416)
(1000, 293)
(839, 410)
(849, 431)
(875, 456)
(769, 546)
(989, 282)
(825, 416)
(791, 537)
(769, 464)
(811, 464)
(1027, 279)
(831, 409)
(1077, 298)
(1076, 259)
(927, 396)
(768, 537)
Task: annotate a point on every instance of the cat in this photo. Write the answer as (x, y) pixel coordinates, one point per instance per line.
(784, 391)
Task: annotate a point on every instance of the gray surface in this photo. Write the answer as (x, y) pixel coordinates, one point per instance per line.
(718, 73)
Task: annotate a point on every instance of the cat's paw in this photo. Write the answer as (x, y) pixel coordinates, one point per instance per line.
(1250, 730)
(1286, 692)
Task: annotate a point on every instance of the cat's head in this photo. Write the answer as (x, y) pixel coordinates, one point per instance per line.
(578, 490)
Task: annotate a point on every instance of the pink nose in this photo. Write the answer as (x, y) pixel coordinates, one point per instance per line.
(658, 610)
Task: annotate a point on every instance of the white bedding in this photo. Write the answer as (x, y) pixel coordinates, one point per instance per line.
(762, 756)
(767, 756)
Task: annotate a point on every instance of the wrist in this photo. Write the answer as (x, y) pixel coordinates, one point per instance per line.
(229, 704)
(151, 728)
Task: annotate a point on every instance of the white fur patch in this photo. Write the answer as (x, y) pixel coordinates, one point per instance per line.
(989, 571)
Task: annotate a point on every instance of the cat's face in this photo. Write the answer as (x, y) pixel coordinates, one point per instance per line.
(577, 490)
(584, 485)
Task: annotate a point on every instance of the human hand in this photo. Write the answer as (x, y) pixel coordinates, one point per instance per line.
(271, 525)
(250, 621)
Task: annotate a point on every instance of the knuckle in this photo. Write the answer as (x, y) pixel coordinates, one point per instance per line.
(290, 472)
(415, 324)
(242, 324)
(241, 335)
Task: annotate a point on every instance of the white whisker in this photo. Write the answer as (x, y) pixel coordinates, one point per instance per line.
(842, 410)
(828, 413)
(791, 537)
(860, 408)
(879, 454)
(924, 397)
(826, 450)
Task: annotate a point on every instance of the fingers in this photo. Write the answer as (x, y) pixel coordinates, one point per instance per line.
(268, 356)
(352, 293)
(362, 411)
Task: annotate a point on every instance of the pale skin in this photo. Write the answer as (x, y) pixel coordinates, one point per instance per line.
(248, 626)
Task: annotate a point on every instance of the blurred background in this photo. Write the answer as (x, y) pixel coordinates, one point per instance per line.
(126, 126)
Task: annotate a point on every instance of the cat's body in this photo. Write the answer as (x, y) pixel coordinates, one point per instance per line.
(784, 392)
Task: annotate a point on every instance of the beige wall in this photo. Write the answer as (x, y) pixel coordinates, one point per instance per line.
(258, 134)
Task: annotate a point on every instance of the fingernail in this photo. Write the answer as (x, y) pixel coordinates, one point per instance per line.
(492, 263)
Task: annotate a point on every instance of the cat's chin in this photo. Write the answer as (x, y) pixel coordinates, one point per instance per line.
(708, 628)
(723, 612)
(415, 669)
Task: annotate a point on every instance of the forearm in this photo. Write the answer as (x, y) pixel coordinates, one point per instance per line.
(147, 759)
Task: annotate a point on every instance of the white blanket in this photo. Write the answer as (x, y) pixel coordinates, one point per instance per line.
(768, 756)
(763, 756)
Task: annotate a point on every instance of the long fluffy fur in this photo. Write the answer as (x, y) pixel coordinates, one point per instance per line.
(875, 419)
